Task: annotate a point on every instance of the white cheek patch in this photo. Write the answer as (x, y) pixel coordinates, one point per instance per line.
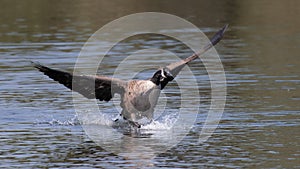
(163, 74)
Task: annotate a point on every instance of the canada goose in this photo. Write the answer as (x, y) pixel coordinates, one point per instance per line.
(138, 97)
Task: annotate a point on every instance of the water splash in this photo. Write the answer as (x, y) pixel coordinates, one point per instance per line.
(73, 121)
(163, 122)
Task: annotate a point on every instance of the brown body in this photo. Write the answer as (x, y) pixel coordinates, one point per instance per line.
(139, 100)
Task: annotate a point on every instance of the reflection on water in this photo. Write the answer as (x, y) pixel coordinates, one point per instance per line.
(38, 126)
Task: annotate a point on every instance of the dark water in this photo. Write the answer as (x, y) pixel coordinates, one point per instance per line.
(260, 55)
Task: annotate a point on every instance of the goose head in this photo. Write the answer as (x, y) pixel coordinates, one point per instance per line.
(162, 77)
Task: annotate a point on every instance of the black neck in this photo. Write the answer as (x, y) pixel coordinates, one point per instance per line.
(156, 78)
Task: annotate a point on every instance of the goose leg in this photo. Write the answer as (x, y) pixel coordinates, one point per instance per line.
(134, 124)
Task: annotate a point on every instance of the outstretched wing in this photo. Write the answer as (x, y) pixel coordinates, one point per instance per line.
(99, 87)
(176, 67)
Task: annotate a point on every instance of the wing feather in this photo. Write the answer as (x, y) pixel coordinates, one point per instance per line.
(176, 67)
(99, 87)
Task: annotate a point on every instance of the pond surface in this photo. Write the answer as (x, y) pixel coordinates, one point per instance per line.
(259, 127)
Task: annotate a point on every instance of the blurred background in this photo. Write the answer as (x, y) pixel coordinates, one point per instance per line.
(260, 54)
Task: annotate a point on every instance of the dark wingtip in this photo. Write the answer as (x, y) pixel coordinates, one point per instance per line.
(219, 35)
(39, 66)
(224, 28)
(34, 64)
